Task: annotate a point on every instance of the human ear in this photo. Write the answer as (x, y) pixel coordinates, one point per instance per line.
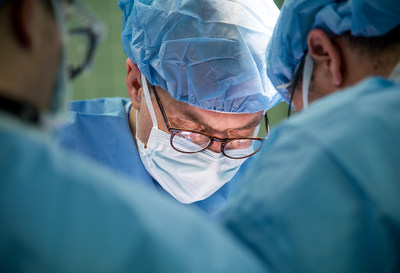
(24, 21)
(326, 55)
(133, 83)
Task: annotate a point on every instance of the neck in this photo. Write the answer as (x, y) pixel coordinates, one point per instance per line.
(20, 109)
(363, 64)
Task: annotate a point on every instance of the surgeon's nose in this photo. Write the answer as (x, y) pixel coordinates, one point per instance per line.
(216, 147)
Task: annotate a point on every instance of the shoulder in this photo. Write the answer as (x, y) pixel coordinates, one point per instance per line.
(101, 106)
(349, 113)
(48, 196)
(343, 133)
(89, 119)
(334, 163)
(345, 140)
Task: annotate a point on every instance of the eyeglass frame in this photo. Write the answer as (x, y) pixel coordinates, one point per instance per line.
(174, 131)
(296, 77)
(94, 33)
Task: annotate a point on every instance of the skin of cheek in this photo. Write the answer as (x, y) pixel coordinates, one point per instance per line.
(297, 100)
(320, 86)
(144, 124)
(47, 51)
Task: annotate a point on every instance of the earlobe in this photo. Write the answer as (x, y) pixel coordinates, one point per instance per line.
(326, 55)
(133, 83)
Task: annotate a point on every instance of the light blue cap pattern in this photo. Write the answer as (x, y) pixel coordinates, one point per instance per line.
(210, 54)
(366, 18)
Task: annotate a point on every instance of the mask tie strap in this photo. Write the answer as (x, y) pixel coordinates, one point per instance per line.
(307, 74)
(395, 75)
(147, 99)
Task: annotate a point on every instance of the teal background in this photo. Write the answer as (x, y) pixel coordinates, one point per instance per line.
(106, 78)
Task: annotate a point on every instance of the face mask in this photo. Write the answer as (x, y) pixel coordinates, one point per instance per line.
(187, 177)
(58, 107)
(307, 75)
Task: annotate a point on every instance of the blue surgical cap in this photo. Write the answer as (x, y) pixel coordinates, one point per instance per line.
(210, 53)
(288, 44)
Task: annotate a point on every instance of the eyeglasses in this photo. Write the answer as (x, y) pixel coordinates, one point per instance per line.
(84, 33)
(292, 87)
(191, 141)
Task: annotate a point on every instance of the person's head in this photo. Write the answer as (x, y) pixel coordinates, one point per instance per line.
(30, 50)
(329, 45)
(206, 62)
(33, 67)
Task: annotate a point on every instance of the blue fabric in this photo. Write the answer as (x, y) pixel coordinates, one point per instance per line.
(323, 195)
(361, 17)
(209, 54)
(99, 129)
(60, 213)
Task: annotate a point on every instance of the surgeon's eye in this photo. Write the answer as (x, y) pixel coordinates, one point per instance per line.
(242, 148)
(189, 142)
(193, 137)
(239, 144)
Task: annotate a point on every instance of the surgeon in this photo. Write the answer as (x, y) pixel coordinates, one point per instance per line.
(198, 92)
(60, 213)
(323, 194)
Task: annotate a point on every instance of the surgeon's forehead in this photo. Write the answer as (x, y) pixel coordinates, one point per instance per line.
(180, 111)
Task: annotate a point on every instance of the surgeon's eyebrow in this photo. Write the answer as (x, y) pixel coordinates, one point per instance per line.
(194, 118)
(254, 123)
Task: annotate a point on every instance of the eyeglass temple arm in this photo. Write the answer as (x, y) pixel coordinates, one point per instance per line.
(266, 123)
(159, 105)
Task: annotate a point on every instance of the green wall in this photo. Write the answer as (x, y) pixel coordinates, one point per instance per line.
(279, 3)
(106, 78)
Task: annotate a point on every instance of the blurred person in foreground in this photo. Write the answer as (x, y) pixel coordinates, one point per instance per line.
(323, 195)
(60, 213)
(198, 92)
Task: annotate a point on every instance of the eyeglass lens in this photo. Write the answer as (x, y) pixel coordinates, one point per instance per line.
(192, 142)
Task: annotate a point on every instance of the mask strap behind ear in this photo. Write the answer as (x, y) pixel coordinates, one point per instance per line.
(257, 130)
(395, 75)
(307, 74)
(147, 98)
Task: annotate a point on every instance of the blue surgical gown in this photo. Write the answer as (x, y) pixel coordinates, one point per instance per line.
(99, 129)
(60, 213)
(324, 192)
